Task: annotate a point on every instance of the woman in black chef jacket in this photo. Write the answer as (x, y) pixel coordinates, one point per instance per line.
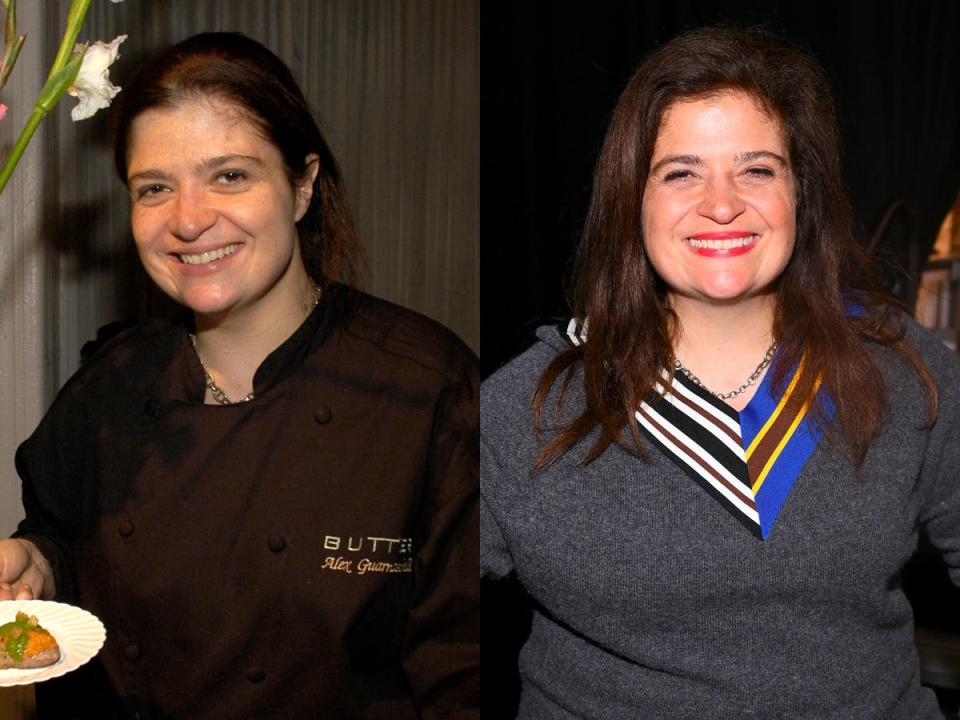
(272, 502)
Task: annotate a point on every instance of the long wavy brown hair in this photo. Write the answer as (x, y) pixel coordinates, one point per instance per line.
(828, 308)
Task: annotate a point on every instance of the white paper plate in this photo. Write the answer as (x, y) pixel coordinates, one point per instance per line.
(79, 634)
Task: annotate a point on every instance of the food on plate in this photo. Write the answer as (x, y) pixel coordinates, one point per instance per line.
(24, 644)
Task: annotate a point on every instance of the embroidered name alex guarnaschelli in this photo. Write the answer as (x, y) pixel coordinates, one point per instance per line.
(360, 554)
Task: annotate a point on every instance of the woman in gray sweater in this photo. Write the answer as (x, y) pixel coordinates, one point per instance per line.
(709, 480)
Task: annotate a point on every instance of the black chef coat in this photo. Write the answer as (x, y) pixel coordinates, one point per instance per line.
(312, 553)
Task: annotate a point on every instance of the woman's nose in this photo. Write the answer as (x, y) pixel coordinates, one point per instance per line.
(721, 201)
(191, 216)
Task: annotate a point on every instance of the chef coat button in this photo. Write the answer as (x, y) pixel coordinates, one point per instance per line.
(276, 542)
(125, 527)
(256, 675)
(322, 415)
(131, 651)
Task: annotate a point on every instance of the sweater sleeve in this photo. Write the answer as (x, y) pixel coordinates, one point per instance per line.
(495, 560)
(508, 447)
(939, 487)
(50, 465)
(442, 638)
(938, 484)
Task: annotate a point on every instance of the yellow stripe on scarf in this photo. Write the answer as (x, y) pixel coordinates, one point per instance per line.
(776, 413)
(785, 439)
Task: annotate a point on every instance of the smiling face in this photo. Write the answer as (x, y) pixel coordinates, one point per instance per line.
(719, 206)
(213, 212)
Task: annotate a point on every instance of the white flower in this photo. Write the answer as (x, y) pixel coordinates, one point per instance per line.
(93, 85)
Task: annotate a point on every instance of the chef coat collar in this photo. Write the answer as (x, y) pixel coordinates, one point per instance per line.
(334, 305)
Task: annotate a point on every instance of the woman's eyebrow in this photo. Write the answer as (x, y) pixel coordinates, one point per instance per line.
(678, 159)
(203, 166)
(752, 155)
(147, 175)
(739, 159)
(221, 160)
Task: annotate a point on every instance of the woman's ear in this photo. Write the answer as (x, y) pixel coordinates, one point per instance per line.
(304, 188)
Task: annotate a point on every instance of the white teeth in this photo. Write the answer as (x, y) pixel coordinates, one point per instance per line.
(210, 256)
(728, 244)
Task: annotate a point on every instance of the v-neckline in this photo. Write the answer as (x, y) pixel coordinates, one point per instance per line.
(749, 459)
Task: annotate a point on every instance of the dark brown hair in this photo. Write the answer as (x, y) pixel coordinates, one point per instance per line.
(617, 294)
(234, 67)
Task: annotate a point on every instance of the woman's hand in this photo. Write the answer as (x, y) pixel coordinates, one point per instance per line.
(25, 573)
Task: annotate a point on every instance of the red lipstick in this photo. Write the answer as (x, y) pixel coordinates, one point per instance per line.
(721, 244)
(723, 235)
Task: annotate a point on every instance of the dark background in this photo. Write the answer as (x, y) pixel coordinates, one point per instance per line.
(551, 75)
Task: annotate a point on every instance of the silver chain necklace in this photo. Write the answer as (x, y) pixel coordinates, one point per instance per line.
(219, 395)
(767, 359)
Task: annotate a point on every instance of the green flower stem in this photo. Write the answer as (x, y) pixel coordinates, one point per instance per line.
(11, 41)
(50, 95)
(62, 73)
(9, 58)
(10, 22)
(75, 18)
(14, 157)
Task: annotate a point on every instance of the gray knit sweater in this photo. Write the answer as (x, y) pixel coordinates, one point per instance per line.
(652, 601)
